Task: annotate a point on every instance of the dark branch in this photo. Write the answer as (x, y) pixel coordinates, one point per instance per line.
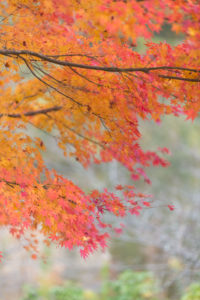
(19, 53)
(46, 83)
(33, 113)
(180, 78)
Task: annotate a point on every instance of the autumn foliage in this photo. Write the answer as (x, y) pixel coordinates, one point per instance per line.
(69, 68)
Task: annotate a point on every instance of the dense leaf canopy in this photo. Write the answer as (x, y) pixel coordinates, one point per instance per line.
(69, 68)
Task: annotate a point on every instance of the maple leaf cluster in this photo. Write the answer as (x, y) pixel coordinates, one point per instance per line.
(70, 67)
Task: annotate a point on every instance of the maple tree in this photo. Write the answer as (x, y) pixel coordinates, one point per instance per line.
(69, 68)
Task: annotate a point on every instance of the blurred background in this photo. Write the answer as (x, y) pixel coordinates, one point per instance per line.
(156, 257)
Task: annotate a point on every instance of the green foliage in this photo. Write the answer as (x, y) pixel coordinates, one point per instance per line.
(131, 285)
(67, 292)
(192, 293)
(31, 293)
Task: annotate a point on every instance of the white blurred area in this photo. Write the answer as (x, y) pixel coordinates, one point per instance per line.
(53, 267)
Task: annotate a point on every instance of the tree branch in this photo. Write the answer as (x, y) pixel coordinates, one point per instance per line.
(46, 83)
(33, 113)
(19, 53)
(180, 78)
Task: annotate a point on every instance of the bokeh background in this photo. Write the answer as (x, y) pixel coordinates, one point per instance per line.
(163, 242)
